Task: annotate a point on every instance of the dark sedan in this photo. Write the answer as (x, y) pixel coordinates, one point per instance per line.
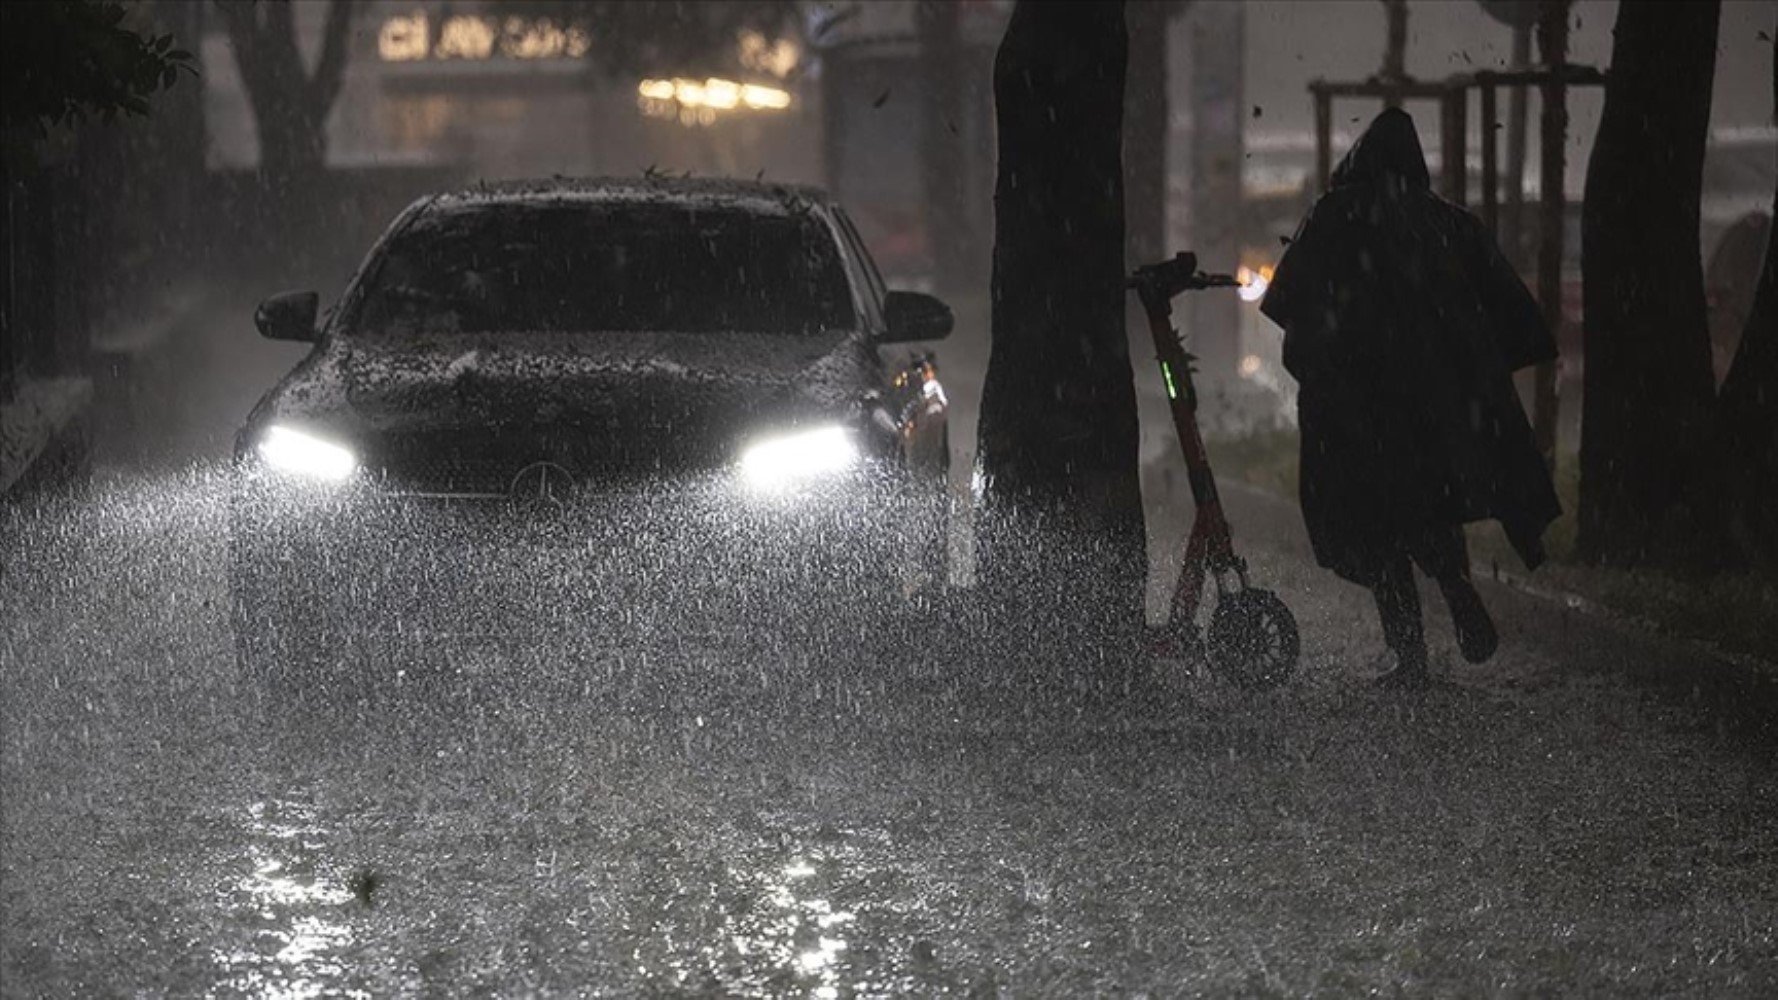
(653, 405)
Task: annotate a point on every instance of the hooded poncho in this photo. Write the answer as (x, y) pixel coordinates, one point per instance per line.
(1403, 324)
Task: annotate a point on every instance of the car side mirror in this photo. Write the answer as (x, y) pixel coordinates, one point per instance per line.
(288, 316)
(915, 316)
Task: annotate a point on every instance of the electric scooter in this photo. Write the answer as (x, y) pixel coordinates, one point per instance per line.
(1252, 637)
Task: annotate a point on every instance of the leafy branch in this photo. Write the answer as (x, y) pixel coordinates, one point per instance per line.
(66, 61)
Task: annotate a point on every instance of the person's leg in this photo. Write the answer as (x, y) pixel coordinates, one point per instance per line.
(1398, 605)
(1447, 562)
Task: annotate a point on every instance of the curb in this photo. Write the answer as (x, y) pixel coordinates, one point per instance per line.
(1623, 619)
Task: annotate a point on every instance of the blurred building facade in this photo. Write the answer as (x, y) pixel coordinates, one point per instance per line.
(451, 91)
(878, 92)
(1287, 44)
(490, 95)
(443, 92)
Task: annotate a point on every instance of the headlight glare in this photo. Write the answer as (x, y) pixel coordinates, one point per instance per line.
(778, 462)
(301, 454)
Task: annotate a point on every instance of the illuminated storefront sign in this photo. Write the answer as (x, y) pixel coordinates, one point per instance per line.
(762, 55)
(699, 102)
(410, 38)
(419, 37)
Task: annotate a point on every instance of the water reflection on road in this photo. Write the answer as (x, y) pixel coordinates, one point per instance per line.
(806, 929)
(291, 905)
(567, 818)
(779, 932)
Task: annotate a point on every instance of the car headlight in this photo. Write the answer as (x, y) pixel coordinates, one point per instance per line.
(795, 458)
(301, 454)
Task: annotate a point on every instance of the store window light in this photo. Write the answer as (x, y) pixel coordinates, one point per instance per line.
(465, 38)
(403, 38)
(698, 102)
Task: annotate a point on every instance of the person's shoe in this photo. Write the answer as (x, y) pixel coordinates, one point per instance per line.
(1408, 675)
(1476, 635)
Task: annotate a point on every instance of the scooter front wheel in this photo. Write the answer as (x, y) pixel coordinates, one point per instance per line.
(1252, 639)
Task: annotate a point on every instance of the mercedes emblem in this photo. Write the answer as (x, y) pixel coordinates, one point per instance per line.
(541, 484)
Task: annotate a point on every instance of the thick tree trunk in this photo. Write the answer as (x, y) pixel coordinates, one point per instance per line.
(941, 141)
(1145, 136)
(290, 106)
(1649, 387)
(1060, 546)
(1145, 210)
(1747, 414)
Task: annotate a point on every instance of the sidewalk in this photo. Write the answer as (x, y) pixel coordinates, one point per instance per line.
(1729, 616)
(1547, 637)
(43, 428)
(175, 387)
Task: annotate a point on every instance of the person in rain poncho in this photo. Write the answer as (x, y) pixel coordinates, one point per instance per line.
(1403, 324)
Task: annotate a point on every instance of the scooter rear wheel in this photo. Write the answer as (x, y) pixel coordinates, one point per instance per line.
(1252, 640)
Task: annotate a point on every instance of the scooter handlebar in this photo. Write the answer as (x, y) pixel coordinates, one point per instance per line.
(1181, 274)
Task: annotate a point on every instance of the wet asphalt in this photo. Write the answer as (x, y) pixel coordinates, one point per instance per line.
(576, 814)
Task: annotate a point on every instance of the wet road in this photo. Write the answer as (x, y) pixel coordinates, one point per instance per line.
(1591, 813)
(568, 817)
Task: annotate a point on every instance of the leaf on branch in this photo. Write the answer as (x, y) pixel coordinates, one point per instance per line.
(65, 62)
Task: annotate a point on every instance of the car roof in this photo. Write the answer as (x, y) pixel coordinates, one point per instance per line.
(757, 196)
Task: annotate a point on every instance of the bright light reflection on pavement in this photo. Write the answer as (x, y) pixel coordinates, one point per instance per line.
(790, 943)
(801, 921)
(292, 952)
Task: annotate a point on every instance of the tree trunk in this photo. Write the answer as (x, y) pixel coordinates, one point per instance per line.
(1747, 414)
(941, 141)
(1061, 536)
(1649, 388)
(1552, 38)
(1145, 212)
(290, 107)
(1145, 137)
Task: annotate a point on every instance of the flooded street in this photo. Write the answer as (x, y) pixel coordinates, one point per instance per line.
(912, 498)
(675, 825)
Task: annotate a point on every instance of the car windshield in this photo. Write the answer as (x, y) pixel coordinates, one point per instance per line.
(610, 267)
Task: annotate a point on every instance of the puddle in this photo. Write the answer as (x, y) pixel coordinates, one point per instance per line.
(292, 908)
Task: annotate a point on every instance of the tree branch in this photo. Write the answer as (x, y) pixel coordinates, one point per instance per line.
(257, 75)
(330, 69)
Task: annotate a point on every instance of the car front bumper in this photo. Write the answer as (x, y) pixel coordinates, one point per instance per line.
(644, 564)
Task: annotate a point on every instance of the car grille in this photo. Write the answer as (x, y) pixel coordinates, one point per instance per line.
(486, 463)
(447, 462)
(448, 477)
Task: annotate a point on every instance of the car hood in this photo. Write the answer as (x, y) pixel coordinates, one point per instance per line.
(662, 380)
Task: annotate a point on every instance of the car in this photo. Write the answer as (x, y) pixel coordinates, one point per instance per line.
(637, 409)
